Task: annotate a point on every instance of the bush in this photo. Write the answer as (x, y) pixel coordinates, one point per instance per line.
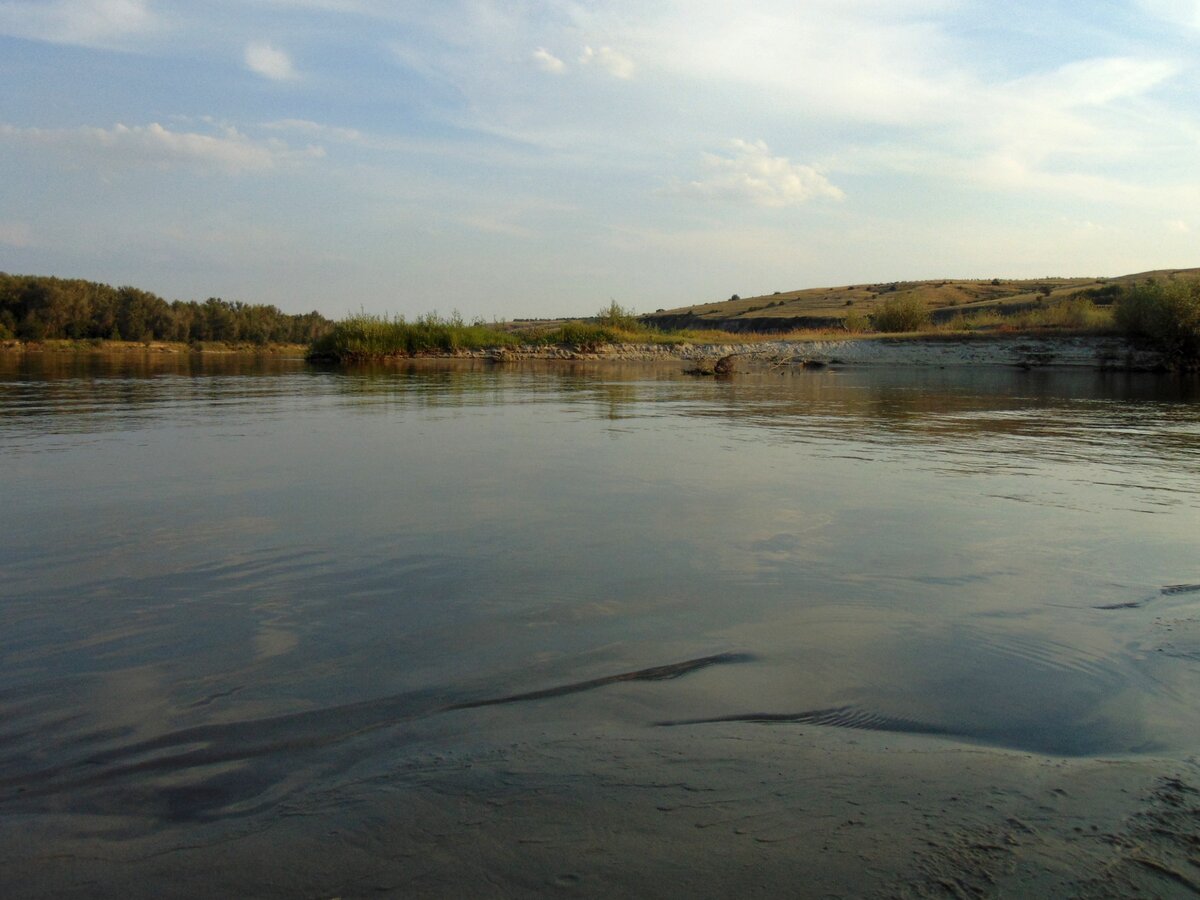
(616, 316)
(856, 323)
(1165, 313)
(900, 314)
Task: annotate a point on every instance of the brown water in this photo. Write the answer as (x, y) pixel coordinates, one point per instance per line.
(231, 591)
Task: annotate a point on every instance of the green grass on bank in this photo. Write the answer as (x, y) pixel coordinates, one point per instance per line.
(365, 336)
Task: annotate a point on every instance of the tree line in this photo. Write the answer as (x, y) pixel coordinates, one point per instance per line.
(36, 307)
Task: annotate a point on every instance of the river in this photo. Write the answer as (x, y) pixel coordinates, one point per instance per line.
(442, 628)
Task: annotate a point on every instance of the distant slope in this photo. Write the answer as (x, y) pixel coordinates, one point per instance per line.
(825, 307)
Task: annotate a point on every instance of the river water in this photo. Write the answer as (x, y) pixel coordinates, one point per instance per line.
(233, 590)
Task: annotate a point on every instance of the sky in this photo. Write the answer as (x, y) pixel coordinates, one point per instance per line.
(536, 158)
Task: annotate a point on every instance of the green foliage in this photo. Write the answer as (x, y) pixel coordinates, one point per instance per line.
(616, 316)
(900, 314)
(366, 336)
(856, 323)
(39, 308)
(1165, 313)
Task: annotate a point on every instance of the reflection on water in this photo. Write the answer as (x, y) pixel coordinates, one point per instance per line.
(224, 579)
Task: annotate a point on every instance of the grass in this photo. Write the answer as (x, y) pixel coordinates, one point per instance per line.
(1076, 315)
(364, 336)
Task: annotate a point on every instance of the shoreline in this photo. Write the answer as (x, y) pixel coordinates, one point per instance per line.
(1027, 351)
(1021, 350)
(102, 346)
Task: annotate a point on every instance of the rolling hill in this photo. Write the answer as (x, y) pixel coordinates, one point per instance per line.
(828, 307)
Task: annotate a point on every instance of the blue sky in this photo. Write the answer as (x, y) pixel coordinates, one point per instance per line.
(524, 158)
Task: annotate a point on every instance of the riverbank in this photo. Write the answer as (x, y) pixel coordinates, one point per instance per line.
(156, 347)
(1088, 351)
(1080, 350)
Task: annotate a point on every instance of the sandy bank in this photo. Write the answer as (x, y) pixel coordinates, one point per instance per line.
(1028, 351)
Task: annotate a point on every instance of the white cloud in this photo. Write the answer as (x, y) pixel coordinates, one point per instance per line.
(1181, 12)
(268, 61)
(15, 234)
(100, 23)
(153, 145)
(318, 130)
(1094, 82)
(548, 62)
(612, 61)
(752, 175)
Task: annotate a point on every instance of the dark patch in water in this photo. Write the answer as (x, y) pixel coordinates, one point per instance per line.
(1167, 590)
(1069, 738)
(208, 745)
(1132, 604)
(656, 673)
(1180, 588)
(837, 717)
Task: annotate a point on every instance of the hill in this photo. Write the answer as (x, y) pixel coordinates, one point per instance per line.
(828, 307)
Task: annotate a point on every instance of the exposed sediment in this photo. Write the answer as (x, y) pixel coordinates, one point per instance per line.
(1075, 351)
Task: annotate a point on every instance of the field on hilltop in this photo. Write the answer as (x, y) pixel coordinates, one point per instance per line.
(944, 298)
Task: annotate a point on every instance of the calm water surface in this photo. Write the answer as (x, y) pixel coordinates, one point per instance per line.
(224, 582)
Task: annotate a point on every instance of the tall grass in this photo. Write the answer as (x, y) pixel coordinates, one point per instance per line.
(365, 336)
(1079, 314)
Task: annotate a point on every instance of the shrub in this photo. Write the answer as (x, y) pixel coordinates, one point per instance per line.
(900, 314)
(1167, 314)
(856, 323)
(616, 316)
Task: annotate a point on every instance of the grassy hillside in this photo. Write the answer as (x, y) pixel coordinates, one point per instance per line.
(944, 298)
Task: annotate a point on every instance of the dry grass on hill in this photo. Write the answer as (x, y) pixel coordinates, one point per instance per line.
(942, 297)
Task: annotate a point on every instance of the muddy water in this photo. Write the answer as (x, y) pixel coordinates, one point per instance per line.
(236, 595)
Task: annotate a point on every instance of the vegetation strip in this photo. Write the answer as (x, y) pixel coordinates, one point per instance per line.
(1160, 311)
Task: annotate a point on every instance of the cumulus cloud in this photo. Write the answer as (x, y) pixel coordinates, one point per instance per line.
(269, 61)
(153, 145)
(752, 175)
(86, 22)
(548, 62)
(612, 61)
